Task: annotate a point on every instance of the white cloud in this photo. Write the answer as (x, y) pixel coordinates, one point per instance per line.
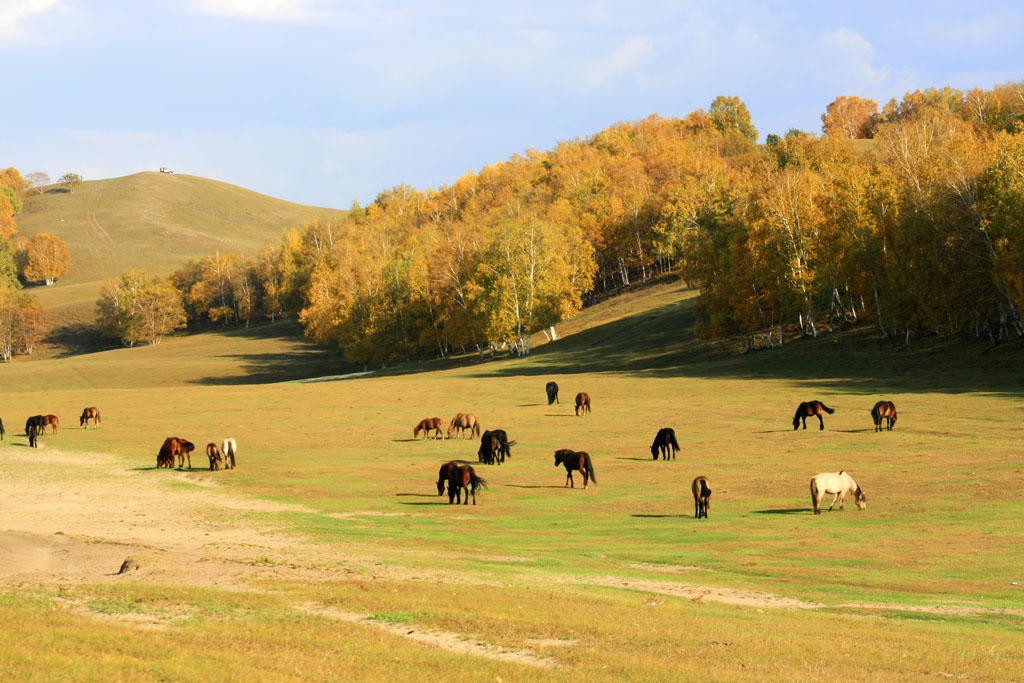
(265, 10)
(14, 12)
(632, 53)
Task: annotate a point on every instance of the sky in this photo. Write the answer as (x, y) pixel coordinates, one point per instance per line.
(324, 102)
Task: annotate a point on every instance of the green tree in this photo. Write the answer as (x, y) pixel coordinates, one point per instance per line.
(729, 114)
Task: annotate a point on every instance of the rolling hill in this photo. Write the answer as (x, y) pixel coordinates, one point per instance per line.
(153, 221)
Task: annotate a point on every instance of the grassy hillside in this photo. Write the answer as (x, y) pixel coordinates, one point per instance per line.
(153, 221)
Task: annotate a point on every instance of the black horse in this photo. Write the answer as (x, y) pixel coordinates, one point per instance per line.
(1, 430)
(552, 389)
(810, 409)
(37, 421)
(494, 447)
(32, 432)
(665, 443)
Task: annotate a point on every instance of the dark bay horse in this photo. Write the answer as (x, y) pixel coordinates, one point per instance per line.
(444, 474)
(582, 403)
(92, 413)
(463, 477)
(213, 453)
(552, 389)
(50, 421)
(427, 425)
(665, 443)
(32, 432)
(810, 409)
(884, 410)
(2, 432)
(494, 447)
(575, 460)
(37, 421)
(701, 497)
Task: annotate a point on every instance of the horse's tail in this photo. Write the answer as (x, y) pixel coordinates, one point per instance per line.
(826, 408)
(476, 429)
(97, 416)
(477, 482)
(672, 440)
(705, 490)
(590, 470)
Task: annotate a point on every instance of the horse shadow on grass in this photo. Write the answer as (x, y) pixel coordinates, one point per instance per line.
(416, 495)
(434, 502)
(533, 486)
(640, 459)
(785, 511)
(659, 516)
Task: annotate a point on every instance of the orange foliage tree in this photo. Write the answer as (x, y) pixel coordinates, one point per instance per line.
(46, 258)
(849, 117)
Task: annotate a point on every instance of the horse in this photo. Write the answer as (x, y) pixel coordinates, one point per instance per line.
(50, 421)
(552, 389)
(168, 450)
(37, 421)
(463, 477)
(575, 460)
(463, 421)
(701, 497)
(230, 449)
(444, 474)
(2, 432)
(494, 447)
(884, 409)
(839, 484)
(426, 425)
(582, 403)
(93, 414)
(33, 436)
(665, 443)
(213, 453)
(810, 409)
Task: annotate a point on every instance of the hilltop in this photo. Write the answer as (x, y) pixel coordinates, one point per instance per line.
(153, 221)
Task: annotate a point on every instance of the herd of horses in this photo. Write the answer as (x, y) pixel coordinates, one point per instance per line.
(495, 448)
(36, 425)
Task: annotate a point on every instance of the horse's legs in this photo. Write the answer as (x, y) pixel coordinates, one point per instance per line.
(568, 479)
(804, 419)
(821, 423)
(586, 478)
(834, 499)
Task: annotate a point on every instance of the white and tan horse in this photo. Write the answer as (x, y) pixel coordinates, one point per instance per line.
(228, 449)
(838, 484)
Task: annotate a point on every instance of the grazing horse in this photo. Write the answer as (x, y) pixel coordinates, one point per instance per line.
(463, 421)
(230, 449)
(552, 389)
(213, 453)
(886, 410)
(575, 460)
(427, 425)
(494, 447)
(93, 414)
(665, 443)
(444, 474)
(168, 450)
(463, 477)
(2, 432)
(185, 452)
(701, 497)
(37, 421)
(810, 409)
(50, 421)
(33, 436)
(839, 484)
(582, 403)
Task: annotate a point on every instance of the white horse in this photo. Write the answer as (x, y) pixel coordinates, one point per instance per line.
(228, 448)
(839, 484)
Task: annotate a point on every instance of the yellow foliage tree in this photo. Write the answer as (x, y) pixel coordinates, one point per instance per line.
(849, 117)
(46, 258)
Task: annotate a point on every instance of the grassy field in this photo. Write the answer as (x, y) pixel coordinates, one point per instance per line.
(153, 221)
(536, 581)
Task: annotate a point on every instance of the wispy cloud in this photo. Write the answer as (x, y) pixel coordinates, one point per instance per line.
(264, 10)
(14, 12)
(631, 53)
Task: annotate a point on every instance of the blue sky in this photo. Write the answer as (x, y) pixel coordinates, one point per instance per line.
(324, 102)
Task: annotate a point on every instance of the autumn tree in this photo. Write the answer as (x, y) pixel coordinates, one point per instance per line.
(22, 322)
(70, 181)
(8, 268)
(135, 308)
(37, 181)
(849, 117)
(46, 258)
(729, 114)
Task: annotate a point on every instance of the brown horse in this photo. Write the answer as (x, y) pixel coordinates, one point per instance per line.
(213, 453)
(463, 477)
(2, 432)
(463, 421)
(886, 410)
(50, 421)
(33, 436)
(168, 451)
(701, 497)
(444, 474)
(810, 409)
(582, 403)
(427, 425)
(575, 460)
(93, 414)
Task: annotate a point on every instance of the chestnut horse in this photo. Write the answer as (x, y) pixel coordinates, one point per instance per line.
(93, 414)
(230, 449)
(213, 453)
(665, 443)
(575, 460)
(426, 425)
(552, 389)
(886, 410)
(444, 474)
(463, 477)
(701, 497)
(582, 403)
(50, 421)
(463, 421)
(170, 448)
(810, 409)
(838, 484)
